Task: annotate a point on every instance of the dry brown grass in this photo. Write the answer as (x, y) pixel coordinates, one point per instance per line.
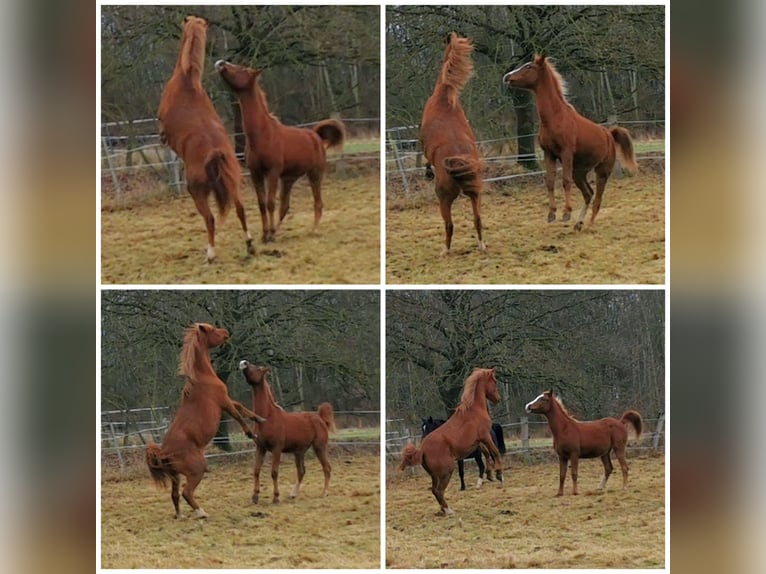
(523, 525)
(162, 241)
(340, 531)
(626, 245)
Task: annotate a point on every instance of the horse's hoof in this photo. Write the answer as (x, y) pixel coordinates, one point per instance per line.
(567, 216)
(578, 226)
(199, 513)
(250, 247)
(275, 500)
(255, 499)
(559, 494)
(462, 487)
(551, 217)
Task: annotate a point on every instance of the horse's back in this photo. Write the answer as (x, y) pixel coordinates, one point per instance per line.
(302, 151)
(601, 436)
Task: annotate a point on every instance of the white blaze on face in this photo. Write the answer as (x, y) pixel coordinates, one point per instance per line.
(505, 77)
(530, 403)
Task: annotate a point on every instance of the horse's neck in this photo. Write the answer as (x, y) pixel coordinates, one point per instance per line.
(202, 364)
(263, 401)
(558, 419)
(255, 113)
(550, 101)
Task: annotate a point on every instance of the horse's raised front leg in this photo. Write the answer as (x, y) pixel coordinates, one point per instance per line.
(550, 180)
(276, 457)
(486, 440)
(231, 408)
(245, 412)
(259, 455)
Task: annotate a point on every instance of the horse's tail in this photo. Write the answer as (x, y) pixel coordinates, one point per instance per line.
(500, 442)
(331, 132)
(621, 136)
(326, 413)
(223, 174)
(465, 170)
(634, 419)
(158, 468)
(458, 65)
(410, 456)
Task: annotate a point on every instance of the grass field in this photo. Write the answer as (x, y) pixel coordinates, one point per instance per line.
(138, 528)
(161, 240)
(625, 246)
(523, 525)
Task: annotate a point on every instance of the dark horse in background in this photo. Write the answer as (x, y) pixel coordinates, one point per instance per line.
(496, 431)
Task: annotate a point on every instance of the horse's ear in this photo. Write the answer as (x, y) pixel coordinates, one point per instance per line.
(266, 370)
(202, 328)
(539, 58)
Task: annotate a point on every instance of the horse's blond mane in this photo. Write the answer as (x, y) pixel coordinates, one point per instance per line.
(189, 353)
(191, 58)
(268, 392)
(469, 389)
(563, 407)
(558, 80)
(458, 66)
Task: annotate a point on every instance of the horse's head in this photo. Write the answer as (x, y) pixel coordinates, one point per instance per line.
(525, 76)
(213, 336)
(254, 375)
(492, 392)
(238, 78)
(542, 404)
(429, 425)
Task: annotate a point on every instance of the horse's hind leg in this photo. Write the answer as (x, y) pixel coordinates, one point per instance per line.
(445, 206)
(197, 466)
(272, 183)
(476, 206)
(300, 468)
(620, 453)
(607, 462)
(276, 457)
(575, 461)
(581, 181)
(438, 486)
(321, 452)
(243, 220)
(567, 163)
(550, 180)
(199, 194)
(601, 179)
(315, 180)
(175, 495)
(284, 197)
(259, 455)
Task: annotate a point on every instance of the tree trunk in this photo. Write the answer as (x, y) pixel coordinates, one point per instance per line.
(526, 132)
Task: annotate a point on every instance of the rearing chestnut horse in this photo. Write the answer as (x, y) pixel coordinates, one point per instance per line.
(447, 139)
(286, 432)
(190, 125)
(203, 399)
(467, 428)
(564, 135)
(277, 152)
(573, 440)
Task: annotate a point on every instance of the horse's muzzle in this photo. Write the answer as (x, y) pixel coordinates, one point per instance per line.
(243, 365)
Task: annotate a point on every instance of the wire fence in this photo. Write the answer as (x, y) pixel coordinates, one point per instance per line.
(404, 157)
(523, 438)
(134, 147)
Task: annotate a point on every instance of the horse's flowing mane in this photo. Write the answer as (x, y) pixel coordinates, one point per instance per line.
(563, 407)
(189, 352)
(191, 58)
(558, 81)
(269, 394)
(458, 66)
(469, 389)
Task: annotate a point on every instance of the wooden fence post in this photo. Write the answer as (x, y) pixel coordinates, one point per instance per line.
(116, 445)
(525, 434)
(394, 143)
(658, 431)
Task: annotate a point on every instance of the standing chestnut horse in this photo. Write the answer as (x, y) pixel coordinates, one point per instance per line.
(286, 432)
(467, 428)
(277, 152)
(190, 125)
(564, 135)
(447, 139)
(203, 399)
(573, 440)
